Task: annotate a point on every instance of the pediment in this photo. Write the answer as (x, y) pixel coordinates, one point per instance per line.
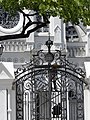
(6, 70)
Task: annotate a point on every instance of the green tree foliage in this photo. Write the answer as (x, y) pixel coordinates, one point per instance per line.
(70, 10)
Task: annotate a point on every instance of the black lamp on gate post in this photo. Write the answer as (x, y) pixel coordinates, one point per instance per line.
(1, 50)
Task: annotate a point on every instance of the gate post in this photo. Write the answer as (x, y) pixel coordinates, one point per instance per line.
(87, 91)
(6, 80)
(87, 101)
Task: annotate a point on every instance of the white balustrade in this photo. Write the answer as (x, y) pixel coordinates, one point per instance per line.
(16, 46)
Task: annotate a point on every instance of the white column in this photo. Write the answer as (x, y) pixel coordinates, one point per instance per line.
(3, 104)
(51, 26)
(11, 104)
(87, 104)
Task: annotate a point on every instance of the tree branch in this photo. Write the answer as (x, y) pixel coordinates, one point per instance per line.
(32, 23)
(21, 35)
(25, 33)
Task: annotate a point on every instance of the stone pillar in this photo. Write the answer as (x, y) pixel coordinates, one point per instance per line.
(51, 26)
(3, 105)
(87, 104)
(87, 96)
(7, 104)
(7, 107)
(12, 104)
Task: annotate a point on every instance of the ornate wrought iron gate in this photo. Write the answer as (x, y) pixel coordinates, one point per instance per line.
(49, 88)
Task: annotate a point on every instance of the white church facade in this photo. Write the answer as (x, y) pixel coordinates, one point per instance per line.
(70, 40)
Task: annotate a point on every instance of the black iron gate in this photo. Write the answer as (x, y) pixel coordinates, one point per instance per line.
(49, 88)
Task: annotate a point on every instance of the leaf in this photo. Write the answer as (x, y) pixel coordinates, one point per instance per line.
(69, 10)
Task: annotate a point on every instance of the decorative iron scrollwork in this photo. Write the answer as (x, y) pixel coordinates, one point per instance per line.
(37, 61)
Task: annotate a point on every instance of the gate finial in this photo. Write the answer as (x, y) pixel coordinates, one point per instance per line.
(49, 43)
(49, 57)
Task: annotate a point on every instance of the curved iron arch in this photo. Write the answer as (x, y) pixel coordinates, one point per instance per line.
(77, 72)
